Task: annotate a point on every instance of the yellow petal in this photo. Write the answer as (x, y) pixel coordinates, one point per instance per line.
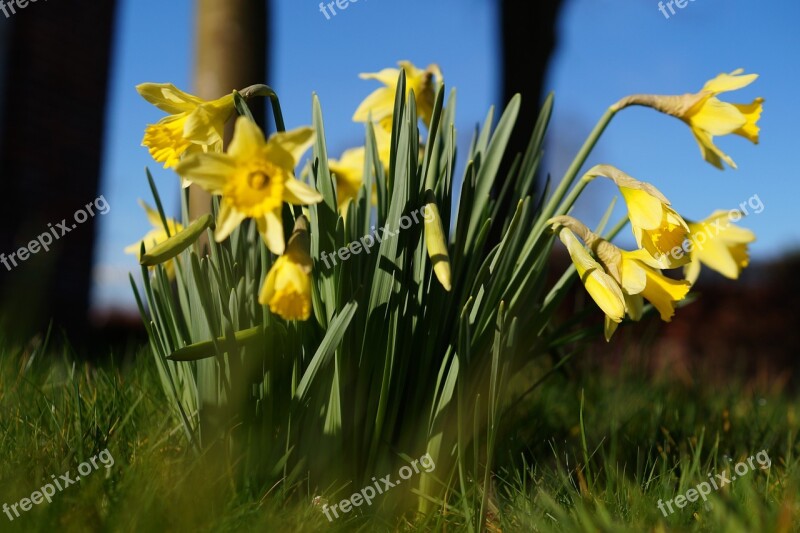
(717, 118)
(692, 271)
(634, 277)
(635, 306)
(205, 125)
(248, 140)
(644, 209)
(600, 286)
(152, 215)
(663, 292)
(268, 289)
(227, 221)
(295, 142)
(210, 171)
(349, 174)
(377, 105)
(610, 328)
(729, 82)
(387, 76)
(272, 231)
(168, 98)
(134, 248)
(720, 245)
(709, 150)
(298, 193)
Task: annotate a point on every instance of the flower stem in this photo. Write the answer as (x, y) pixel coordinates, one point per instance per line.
(576, 165)
(267, 92)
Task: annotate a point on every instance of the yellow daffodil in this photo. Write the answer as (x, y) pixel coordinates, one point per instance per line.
(657, 227)
(707, 115)
(155, 236)
(380, 104)
(254, 178)
(603, 289)
(287, 287)
(349, 169)
(193, 125)
(635, 273)
(718, 244)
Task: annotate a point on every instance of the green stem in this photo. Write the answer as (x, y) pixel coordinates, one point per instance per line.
(577, 164)
(573, 195)
(267, 92)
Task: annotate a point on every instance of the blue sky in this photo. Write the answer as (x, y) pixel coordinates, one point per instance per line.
(607, 49)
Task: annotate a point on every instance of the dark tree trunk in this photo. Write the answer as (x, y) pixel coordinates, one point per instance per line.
(528, 41)
(55, 72)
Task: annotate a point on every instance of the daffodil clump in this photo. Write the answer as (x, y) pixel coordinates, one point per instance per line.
(298, 370)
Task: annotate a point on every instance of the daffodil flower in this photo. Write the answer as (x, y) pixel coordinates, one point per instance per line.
(287, 287)
(155, 236)
(718, 244)
(254, 178)
(380, 104)
(349, 169)
(603, 289)
(657, 227)
(635, 273)
(707, 115)
(193, 125)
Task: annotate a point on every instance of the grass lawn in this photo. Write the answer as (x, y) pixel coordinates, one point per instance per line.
(593, 451)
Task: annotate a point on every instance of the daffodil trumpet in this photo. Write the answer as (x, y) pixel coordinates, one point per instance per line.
(287, 287)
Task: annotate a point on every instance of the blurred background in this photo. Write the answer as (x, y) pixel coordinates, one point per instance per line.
(71, 125)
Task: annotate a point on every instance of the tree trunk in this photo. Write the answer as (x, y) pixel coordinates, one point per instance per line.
(231, 54)
(55, 75)
(528, 41)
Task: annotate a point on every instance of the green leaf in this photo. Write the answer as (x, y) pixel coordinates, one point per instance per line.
(334, 335)
(204, 350)
(178, 242)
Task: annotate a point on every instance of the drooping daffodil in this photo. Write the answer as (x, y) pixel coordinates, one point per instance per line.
(635, 273)
(603, 289)
(287, 287)
(707, 115)
(657, 227)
